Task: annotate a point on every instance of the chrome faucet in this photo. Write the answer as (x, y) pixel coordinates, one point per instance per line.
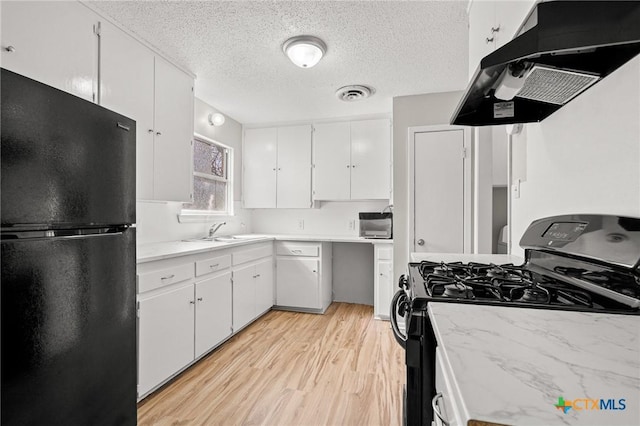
(215, 227)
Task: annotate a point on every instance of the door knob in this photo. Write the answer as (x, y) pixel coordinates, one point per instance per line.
(10, 49)
(420, 242)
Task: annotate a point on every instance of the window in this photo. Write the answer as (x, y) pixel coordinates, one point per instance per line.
(212, 187)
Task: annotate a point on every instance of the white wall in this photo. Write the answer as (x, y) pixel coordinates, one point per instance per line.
(585, 158)
(158, 221)
(411, 111)
(332, 218)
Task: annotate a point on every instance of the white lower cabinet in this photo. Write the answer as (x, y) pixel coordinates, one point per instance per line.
(252, 284)
(188, 305)
(165, 335)
(383, 276)
(213, 312)
(303, 277)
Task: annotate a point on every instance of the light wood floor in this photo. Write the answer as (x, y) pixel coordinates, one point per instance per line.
(341, 368)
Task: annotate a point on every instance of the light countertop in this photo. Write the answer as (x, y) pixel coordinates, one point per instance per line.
(500, 259)
(164, 250)
(510, 365)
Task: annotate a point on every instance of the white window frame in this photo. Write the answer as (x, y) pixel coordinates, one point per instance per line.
(192, 215)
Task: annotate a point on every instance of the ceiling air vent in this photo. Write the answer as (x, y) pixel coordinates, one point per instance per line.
(354, 93)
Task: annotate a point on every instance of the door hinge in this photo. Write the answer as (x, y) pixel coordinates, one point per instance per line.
(138, 309)
(97, 29)
(464, 152)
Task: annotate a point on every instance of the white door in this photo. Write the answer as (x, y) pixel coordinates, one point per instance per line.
(294, 167)
(165, 336)
(370, 159)
(259, 159)
(53, 42)
(126, 86)
(438, 192)
(244, 296)
(264, 286)
(332, 161)
(298, 283)
(173, 125)
(213, 312)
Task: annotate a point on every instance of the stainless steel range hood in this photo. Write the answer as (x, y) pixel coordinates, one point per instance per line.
(563, 48)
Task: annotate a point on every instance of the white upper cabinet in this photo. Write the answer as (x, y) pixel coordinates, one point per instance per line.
(127, 86)
(492, 24)
(352, 160)
(277, 167)
(294, 167)
(173, 125)
(52, 42)
(370, 160)
(260, 167)
(332, 161)
(141, 85)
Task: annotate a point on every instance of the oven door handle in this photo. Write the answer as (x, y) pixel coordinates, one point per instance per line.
(398, 302)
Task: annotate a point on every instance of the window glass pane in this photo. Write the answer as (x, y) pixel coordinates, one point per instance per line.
(208, 159)
(208, 195)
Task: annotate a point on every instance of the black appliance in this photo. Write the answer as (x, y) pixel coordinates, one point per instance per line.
(586, 263)
(68, 259)
(563, 48)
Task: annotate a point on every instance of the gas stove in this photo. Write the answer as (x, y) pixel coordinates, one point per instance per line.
(583, 263)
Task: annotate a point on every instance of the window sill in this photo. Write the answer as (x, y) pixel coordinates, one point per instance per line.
(188, 216)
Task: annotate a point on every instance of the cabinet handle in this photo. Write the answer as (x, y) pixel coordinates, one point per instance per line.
(168, 277)
(274, 169)
(436, 409)
(199, 299)
(353, 166)
(158, 134)
(489, 40)
(150, 131)
(257, 276)
(314, 271)
(495, 29)
(348, 166)
(214, 266)
(381, 274)
(296, 251)
(10, 49)
(192, 302)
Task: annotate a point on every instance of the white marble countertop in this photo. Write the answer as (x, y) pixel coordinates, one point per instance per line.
(510, 365)
(467, 257)
(164, 250)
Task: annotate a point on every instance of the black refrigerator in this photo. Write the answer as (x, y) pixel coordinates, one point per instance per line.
(68, 259)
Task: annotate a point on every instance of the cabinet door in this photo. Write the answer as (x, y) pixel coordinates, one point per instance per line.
(244, 296)
(173, 125)
(332, 161)
(294, 167)
(384, 288)
(370, 159)
(54, 43)
(264, 286)
(259, 165)
(213, 312)
(126, 86)
(298, 283)
(510, 16)
(165, 336)
(481, 20)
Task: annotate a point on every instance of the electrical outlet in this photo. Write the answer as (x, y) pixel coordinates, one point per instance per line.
(515, 188)
(300, 224)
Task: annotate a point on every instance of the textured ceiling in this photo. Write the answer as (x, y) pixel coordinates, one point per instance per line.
(235, 49)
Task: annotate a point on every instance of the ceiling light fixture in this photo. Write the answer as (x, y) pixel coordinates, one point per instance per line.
(216, 119)
(305, 51)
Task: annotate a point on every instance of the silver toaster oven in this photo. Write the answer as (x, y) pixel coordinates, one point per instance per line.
(376, 225)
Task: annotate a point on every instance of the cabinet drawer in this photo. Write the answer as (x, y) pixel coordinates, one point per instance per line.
(385, 253)
(252, 254)
(288, 248)
(212, 265)
(163, 277)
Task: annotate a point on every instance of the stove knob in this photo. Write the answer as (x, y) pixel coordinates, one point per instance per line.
(420, 242)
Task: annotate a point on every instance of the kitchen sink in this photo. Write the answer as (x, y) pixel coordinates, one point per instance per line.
(225, 238)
